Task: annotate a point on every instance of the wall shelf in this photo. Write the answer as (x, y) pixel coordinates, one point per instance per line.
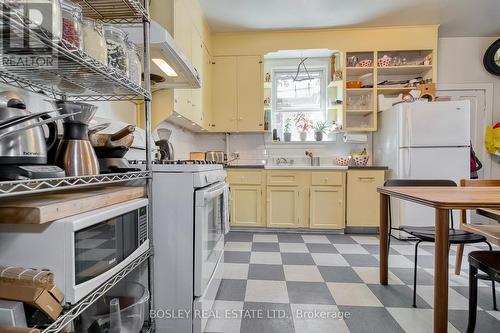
(404, 70)
(358, 71)
(362, 112)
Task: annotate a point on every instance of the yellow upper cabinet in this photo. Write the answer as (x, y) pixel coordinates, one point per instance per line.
(237, 94)
(225, 101)
(250, 94)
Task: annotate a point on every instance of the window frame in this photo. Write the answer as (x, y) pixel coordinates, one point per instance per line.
(293, 70)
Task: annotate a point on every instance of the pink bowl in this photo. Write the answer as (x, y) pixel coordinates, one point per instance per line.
(361, 159)
(342, 160)
(365, 63)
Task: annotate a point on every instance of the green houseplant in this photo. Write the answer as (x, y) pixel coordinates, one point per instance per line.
(321, 127)
(303, 125)
(287, 135)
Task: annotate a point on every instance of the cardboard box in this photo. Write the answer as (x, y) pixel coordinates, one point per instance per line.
(37, 297)
(10, 329)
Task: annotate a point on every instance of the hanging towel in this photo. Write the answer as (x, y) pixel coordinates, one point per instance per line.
(226, 211)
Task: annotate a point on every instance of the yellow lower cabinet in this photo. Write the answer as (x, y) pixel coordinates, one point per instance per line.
(363, 201)
(283, 207)
(326, 207)
(246, 206)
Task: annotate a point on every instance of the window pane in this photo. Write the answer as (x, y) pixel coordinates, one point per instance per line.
(303, 94)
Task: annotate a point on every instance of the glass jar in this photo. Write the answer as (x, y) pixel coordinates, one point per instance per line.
(49, 16)
(72, 21)
(94, 43)
(117, 50)
(133, 63)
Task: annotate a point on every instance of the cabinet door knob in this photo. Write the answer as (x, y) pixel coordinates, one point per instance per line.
(325, 180)
(260, 124)
(240, 118)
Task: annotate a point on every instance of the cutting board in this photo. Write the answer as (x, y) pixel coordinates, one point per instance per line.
(44, 208)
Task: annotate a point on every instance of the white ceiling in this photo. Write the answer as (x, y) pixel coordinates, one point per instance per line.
(458, 18)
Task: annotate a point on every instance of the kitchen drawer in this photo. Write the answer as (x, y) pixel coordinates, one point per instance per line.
(283, 178)
(327, 178)
(244, 178)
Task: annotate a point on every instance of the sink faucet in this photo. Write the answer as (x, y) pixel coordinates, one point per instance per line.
(281, 160)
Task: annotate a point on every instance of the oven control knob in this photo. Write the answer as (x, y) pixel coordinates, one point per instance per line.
(206, 178)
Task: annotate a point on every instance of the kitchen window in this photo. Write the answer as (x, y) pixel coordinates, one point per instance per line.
(298, 92)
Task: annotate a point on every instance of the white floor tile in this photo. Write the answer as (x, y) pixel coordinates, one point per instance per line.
(309, 273)
(350, 249)
(455, 300)
(266, 291)
(224, 322)
(371, 275)
(397, 261)
(304, 323)
(265, 238)
(416, 320)
(318, 239)
(236, 271)
(329, 259)
(410, 250)
(293, 248)
(368, 240)
(238, 246)
(355, 294)
(269, 258)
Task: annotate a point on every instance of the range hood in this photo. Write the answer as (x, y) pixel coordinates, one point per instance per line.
(170, 68)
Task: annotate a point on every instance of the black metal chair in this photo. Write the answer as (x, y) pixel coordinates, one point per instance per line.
(428, 234)
(489, 263)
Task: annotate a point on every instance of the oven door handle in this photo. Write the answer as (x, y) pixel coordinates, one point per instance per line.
(211, 193)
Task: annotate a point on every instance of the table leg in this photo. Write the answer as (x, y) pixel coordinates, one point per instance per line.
(384, 233)
(441, 271)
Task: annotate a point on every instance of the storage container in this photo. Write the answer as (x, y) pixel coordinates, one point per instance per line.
(72, 21)
(117, 50)
(133, 63)
(94, 43)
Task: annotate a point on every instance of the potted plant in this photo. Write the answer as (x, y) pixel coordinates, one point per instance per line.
(303, 125)
(321, 127)
(287, 135)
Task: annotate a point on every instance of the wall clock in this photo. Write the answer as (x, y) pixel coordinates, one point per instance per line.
(491, 59)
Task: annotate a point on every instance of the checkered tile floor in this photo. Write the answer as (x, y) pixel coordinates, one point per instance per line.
(329, 283)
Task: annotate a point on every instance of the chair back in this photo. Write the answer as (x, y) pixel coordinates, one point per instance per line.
(421, 182)
(476, 183)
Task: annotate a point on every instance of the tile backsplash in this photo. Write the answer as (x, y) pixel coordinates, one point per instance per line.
(257, 148)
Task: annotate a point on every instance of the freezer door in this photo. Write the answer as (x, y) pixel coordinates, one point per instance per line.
(428, 163)
(436, 124)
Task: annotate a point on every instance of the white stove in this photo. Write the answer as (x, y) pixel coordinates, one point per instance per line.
(190, 216)
(185, 166)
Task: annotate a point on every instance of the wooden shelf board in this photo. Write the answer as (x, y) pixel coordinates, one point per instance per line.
(360, 112)
(358, 91)
(359, 70)
(404, 70)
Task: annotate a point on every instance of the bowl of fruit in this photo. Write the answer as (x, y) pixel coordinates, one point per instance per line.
(360, 158)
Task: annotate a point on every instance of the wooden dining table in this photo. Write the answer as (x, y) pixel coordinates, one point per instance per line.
(442, 199)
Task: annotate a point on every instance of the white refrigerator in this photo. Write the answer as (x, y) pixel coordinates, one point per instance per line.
(423, 141)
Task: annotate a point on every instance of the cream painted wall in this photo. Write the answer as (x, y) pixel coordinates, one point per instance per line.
(460, 60)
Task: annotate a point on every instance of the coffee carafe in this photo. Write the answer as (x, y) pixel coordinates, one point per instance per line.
(75, 153)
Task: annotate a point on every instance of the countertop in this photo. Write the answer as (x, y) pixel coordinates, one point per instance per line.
(305, 167)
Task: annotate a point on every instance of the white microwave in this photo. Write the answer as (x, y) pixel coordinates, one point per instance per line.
(84, 250)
